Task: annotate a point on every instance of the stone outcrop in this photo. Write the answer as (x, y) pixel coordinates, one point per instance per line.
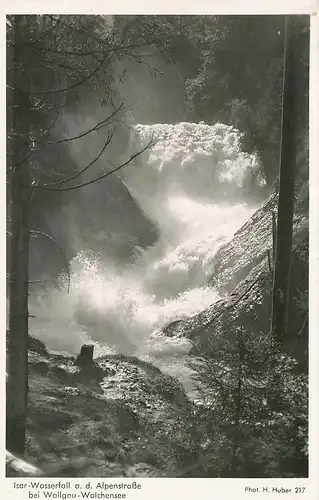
(243, 278)
(130, 421)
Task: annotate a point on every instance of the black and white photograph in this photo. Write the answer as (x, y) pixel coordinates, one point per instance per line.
(157, 242)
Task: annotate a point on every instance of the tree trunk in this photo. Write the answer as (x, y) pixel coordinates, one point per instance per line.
(281, 283)
(20, 189)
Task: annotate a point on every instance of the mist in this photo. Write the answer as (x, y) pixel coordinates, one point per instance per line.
(192, 187)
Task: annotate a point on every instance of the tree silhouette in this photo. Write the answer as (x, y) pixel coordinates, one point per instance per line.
(51, 60)
(288, 158)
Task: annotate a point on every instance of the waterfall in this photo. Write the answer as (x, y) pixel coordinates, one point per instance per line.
(194, 185)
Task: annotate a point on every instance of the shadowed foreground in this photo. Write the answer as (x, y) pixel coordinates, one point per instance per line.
(121, 417)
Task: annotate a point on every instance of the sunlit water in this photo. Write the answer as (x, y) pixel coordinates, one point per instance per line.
(193, 184)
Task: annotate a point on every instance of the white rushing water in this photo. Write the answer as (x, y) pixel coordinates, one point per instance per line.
(193, 184)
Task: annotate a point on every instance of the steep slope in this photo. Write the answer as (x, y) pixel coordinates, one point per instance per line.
(119, 418)
(242, 275)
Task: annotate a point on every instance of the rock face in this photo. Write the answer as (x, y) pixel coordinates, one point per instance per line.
(130, 421)
(249, 246)
(113, 223)
(243, 277)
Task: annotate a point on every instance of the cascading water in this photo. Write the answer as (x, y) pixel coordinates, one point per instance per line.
(193, 184)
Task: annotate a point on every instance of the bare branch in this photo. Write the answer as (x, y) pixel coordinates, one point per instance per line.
(100, 177)
(45, 106)
(303, 326)
(72, 87)
(40, 141)
(91, 52)
(48, 30)
(155, 40)
(98, 126)
(212, 370)
(48, 130)
(41, 233)
(44, 64)
(21, 161)
(84, 169)
(37, 282)
(79, 30)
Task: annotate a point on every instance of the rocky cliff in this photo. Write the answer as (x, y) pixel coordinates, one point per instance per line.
(243, 278)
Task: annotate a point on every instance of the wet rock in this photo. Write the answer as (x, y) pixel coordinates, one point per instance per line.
(243, 279)
(36, 345)
(107, 369)
(141, 470)
(71, 391)
(60, 372)
(42, 368)
(170, 330)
